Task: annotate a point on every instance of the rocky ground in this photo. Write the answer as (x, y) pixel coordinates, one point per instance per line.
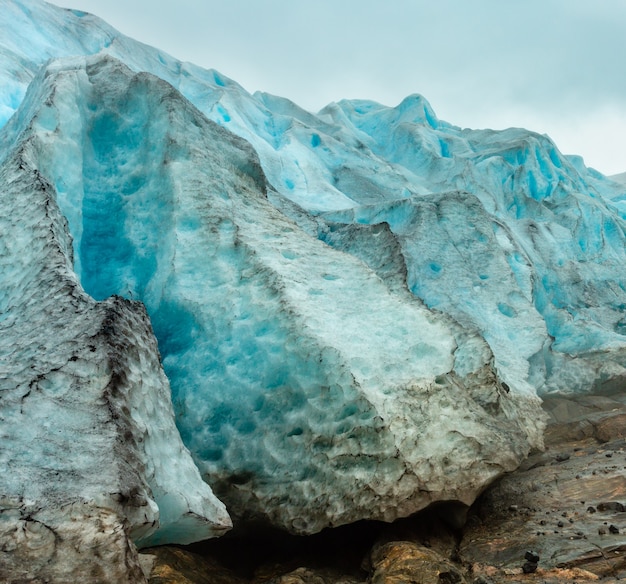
(560, 518)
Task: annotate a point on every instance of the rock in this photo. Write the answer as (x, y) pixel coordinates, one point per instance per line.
(529, 567)
(532, 557)
(499, 539)
(612, 506)
(436, 528)
(178, 566)
(610, 428)
(406, 562)
(312, 576)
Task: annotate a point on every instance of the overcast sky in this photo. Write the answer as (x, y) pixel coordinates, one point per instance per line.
(554, 66)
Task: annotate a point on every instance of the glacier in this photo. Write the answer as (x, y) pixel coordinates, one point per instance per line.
(293, 366)
(357, 311)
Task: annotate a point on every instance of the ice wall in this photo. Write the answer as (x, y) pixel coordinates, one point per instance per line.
(356, 308)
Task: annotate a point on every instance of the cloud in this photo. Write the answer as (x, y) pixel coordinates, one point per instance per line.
(474, 61)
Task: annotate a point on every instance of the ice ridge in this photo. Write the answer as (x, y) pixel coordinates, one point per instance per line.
(88, 433)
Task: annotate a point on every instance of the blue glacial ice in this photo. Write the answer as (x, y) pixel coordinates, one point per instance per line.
(326, 289)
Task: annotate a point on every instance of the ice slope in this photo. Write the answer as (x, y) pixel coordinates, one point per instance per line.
(310, 391)
(497, 229)
(553, 315)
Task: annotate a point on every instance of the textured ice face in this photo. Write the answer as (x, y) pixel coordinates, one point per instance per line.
(310, 391)
(497, 229)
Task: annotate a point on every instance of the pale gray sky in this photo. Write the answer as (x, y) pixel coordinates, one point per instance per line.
(552, 66)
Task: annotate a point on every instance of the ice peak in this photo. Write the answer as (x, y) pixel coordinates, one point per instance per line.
(416, 109)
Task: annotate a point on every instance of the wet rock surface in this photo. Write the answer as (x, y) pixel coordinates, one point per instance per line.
(566, 503)
(172, 564)
(561, 518)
